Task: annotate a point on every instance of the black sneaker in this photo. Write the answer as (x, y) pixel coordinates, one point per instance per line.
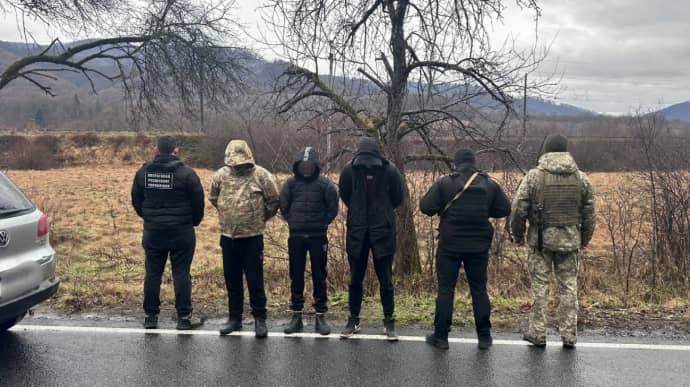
(539, 343)
(295, 325)
(485, 342)
(434, 341)
(320, 325)
(190, 321)
(260, 328)
(231, 326)
(351, 328)
(151, 321)
(389, 329)
(568, 344)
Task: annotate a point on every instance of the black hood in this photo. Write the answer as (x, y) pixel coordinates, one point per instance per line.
(307, 154)
(166, 163)
(368, 154)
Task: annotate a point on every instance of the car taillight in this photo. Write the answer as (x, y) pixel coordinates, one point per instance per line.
(43, 226)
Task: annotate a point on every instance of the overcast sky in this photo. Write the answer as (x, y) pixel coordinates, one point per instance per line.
(612, 56)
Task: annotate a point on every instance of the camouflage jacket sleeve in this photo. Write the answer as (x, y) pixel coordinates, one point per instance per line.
(521, 207)
(271, 194)
(215, 189)
(589, 217)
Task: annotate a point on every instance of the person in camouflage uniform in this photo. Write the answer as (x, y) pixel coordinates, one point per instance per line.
(246, 196)
(557, 200)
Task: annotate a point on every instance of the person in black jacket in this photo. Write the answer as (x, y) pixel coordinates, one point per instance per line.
(169, 197)
(371, 187)
(309, 203)
(465, 236)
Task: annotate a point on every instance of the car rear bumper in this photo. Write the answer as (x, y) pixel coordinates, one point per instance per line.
(21, 304)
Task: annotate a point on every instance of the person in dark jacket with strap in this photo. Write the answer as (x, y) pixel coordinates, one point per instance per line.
(309, 203)
(465, 200)
(371, 187)
(169, 197)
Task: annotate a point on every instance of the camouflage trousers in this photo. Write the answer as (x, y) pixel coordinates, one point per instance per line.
(565, 267)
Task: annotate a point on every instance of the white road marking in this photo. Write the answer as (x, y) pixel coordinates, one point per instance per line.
(248, 333)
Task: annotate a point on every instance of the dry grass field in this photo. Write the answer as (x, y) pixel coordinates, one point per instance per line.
(98, 238)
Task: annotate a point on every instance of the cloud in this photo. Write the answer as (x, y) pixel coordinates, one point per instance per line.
(612, 55)
(616, 55)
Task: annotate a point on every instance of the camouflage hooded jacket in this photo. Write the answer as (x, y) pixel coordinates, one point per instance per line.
(245, 194)
(525, 208)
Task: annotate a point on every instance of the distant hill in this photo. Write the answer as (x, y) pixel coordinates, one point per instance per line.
(539, 106)
(677, 112)
(70, 84)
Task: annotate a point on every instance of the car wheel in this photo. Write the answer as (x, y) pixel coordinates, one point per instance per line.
(5, 325)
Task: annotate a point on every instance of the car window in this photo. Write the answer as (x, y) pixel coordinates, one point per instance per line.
(12, 200)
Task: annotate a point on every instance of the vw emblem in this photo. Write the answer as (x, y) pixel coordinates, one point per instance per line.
(4, 238)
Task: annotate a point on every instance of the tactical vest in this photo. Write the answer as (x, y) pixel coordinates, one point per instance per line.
(472, 207)
(560, 198)
(165, 197)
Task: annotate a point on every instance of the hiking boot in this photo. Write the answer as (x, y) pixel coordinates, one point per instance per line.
(260, 328)
(151, 321)
(539, 343)
(569, 344)
(190, 321)
(434, 341)
(389, 329)
(231, 326)
(295, 325)
(485, 342)
(320, 325)
(351, 328)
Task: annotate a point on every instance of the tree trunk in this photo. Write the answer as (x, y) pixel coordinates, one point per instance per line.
(408, 260)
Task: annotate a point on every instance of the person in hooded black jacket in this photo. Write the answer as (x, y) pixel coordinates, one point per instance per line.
(371, 187)
(169, 197)
(309, 203)
(465, 236)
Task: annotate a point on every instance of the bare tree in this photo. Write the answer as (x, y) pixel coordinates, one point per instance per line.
(427, 72)
(159, 51)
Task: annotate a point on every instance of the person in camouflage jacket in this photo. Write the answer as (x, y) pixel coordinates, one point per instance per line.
(246, 196)
(557, 200)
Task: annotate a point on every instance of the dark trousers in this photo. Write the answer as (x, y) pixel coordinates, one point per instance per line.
(317, 247)
(447, 269)
(244, 255)
(158, 245)
(384, 272)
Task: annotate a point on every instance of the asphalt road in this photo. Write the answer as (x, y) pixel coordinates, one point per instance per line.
(36, 355)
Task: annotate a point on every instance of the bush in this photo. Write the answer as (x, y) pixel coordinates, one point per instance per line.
(52, 143)
(34, 156)
(85, 140)
(20, 152)
(118, 142)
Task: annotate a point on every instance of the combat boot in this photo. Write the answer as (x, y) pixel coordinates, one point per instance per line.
(485, 342)
(295, 325)
(389, 328)
(539, 343)
(151, 321)
(231, 326)
(351, 328)
(320, 325)
(440, 343)
(260, 328)
(190, 321)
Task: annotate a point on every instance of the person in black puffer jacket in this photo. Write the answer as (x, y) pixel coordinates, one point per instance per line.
(309, 203)
(372, 188)
(465, 236)
(169, 197)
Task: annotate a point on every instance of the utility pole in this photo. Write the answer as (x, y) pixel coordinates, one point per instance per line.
(524, 111)
(329, 128)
